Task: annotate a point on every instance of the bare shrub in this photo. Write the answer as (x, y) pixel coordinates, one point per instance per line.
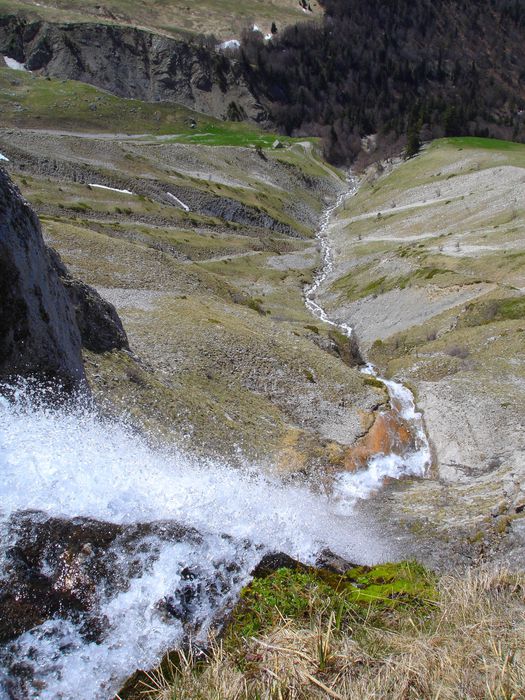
(458, 351)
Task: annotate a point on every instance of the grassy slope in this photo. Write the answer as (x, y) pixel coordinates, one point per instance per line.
(213, 308)
(393, 631)
(30, 101)
(437, 291)
(224, 18)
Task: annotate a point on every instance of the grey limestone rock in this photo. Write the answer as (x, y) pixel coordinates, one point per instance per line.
(46, 316)
(131, 62)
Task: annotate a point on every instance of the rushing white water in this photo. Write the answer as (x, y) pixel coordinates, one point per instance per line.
(68, 463)
(415, 462)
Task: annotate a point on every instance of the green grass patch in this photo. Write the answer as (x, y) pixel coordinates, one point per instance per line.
(483, 143)
(231, 134)
(29, 100)
(299, 594)
(493, 310)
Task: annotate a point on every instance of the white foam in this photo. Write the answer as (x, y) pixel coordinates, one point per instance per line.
(71, 463)
(112, 189)
(13, 64)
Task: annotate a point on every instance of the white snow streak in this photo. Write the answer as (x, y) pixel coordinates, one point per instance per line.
(178, 201)
(112, 189)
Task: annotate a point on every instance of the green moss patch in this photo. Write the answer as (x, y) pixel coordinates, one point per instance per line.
(302, 593)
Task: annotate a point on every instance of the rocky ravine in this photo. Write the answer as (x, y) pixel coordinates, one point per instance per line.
(213, 307)
(429, 270)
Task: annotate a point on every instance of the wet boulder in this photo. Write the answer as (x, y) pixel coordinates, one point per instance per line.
(62, 568)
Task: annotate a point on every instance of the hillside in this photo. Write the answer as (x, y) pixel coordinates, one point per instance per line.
(429, 260)
(222, 18)
(391, 68)
(204, 251)
(390, 72)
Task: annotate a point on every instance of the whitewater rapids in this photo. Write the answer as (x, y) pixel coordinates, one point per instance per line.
(68, 462)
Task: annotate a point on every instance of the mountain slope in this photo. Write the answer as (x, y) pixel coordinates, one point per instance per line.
(430, 261)
(391, 70)
(225, 19)
(389, 67)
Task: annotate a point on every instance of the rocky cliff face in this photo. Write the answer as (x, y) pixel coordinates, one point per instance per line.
(131, 62)
(100, 327)
(38, 333)
(46, 316)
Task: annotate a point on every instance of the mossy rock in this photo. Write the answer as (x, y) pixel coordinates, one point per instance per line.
(373, 381)
(302, 593)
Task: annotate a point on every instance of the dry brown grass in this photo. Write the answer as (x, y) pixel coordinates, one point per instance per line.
(470, 646)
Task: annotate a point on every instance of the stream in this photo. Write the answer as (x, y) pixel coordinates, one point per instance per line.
(113, 551)
(417, 459)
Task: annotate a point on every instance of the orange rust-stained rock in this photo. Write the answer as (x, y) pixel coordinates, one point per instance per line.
(388, 434)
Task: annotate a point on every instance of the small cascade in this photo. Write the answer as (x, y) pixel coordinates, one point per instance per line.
(415, 459)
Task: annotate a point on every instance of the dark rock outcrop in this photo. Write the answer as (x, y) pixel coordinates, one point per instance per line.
(55, 567)
(46, 316)
(273, 561)
(131, 62)
(326, 560)
(38, 332)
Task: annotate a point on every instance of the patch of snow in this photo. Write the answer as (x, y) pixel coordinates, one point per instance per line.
(268, 37)
(112, 189)
(15, 65)
(255, 28)
(2, 157)
(178, 201)
(230, 44)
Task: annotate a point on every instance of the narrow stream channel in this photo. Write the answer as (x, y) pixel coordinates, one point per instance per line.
(414, 461)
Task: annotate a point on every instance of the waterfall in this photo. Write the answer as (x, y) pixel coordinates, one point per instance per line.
(114, 551)
(181, 534)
